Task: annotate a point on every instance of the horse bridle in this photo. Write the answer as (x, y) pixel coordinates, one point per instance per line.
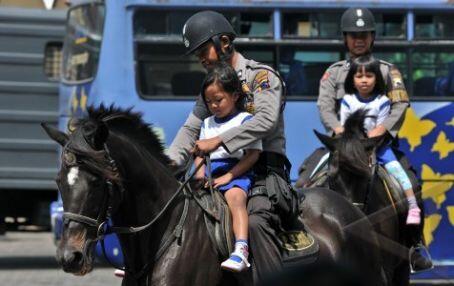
(370, 183)
(101, 222)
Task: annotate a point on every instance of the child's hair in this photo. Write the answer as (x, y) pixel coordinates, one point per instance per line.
(225, 77)
(370, 64)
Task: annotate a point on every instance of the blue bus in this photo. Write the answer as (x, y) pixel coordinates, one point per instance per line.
(129, 53)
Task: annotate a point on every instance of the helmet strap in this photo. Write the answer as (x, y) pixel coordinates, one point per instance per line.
(223, 56)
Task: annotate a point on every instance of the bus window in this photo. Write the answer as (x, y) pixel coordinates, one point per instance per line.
(265, 55)
(83, 42)
(302, 70)
(252, 24)
(311, 25)
(390, 25)
(434, 26)
(152, 22)
(163, 70)
(433, 73)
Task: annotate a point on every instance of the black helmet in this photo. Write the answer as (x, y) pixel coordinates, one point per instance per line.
(357, 20)
(202, 27)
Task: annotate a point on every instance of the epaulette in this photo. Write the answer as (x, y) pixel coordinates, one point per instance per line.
(338, 64)
(386, 63)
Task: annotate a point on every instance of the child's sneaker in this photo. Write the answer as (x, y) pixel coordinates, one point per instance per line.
(414, 216)
(236, 263)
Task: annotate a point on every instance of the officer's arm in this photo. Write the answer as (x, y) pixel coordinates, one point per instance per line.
(179, 150)
(326, 101)
(398, 96)
(267, 104)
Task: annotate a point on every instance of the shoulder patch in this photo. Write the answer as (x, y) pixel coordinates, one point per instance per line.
(261, 80)
(397, 91)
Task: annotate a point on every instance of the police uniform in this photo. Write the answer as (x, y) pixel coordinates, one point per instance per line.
(267, 124)
(332, 91)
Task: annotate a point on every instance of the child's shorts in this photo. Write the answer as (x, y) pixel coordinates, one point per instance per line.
(385, 155)
(221, 166)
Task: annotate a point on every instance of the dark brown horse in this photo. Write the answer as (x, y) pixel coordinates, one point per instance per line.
(114, 166)
(352, 173)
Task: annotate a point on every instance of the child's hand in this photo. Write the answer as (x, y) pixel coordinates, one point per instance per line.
(222, 180)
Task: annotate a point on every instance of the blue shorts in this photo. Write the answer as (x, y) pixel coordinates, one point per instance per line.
(385, 155)
(221, 166)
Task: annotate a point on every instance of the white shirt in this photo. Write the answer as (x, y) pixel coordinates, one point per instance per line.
(378, 107)
(212, 127)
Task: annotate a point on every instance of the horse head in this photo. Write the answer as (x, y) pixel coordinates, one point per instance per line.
(350, 166)
(87, 182)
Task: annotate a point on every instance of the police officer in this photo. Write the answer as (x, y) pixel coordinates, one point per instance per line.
(358, 27)
(209, 36)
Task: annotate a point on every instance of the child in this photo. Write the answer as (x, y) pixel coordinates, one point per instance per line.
(365, 89)
(222, 93)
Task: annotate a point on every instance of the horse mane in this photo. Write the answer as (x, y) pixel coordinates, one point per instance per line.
(131, 127)
(352, 155)
(126, 124)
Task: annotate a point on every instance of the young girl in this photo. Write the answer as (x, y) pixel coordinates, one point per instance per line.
(365, 89)
(222, 93)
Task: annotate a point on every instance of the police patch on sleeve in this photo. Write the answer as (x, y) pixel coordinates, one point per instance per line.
(262, 81)
(325, 76)
(397, 91)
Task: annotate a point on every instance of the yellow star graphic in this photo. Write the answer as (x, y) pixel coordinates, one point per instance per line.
(450, 210)
(83, 100)
(414, 129)
(431, 223)
(74, 103)
(435, 185)
(450, 122)
(442, 145)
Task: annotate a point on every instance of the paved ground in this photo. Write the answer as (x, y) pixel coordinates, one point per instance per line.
(27, 258)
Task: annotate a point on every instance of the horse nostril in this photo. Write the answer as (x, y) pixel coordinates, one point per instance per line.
(72, 258)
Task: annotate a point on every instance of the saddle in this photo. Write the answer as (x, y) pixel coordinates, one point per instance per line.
(297, 246)
(218, 219)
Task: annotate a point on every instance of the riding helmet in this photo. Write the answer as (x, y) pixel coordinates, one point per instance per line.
(357, 20)
(202, 27)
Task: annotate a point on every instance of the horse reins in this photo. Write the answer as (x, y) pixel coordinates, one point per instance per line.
(101, 222)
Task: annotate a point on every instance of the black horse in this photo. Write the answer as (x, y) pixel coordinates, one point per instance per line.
(352, 173)
(114, 165)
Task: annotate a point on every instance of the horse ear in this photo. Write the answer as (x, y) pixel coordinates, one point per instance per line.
(55, 134)
(372, 142)
(95, 134)
(329, 142)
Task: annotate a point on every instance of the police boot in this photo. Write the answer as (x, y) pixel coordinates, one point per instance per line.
(420, 259)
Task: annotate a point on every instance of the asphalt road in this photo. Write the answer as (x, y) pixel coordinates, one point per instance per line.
(27, 258)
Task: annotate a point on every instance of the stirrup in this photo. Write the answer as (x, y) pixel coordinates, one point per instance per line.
(425, 253)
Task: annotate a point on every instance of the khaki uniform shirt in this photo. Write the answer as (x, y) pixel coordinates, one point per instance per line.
(267, 123)
(332, 90)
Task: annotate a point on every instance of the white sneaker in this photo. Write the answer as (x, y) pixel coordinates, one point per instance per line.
(235, 263)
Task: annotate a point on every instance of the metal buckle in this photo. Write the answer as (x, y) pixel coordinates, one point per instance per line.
(102, 229)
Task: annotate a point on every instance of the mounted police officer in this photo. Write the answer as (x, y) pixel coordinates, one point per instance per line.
(358, 27)
(209, 36)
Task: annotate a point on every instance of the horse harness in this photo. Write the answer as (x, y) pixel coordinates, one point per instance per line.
(101, 222)
(217, 214)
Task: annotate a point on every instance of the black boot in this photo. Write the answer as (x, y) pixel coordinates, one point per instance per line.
(418, 261)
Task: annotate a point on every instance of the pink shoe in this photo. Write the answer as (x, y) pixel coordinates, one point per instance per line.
(119, 273)
(414, 216)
